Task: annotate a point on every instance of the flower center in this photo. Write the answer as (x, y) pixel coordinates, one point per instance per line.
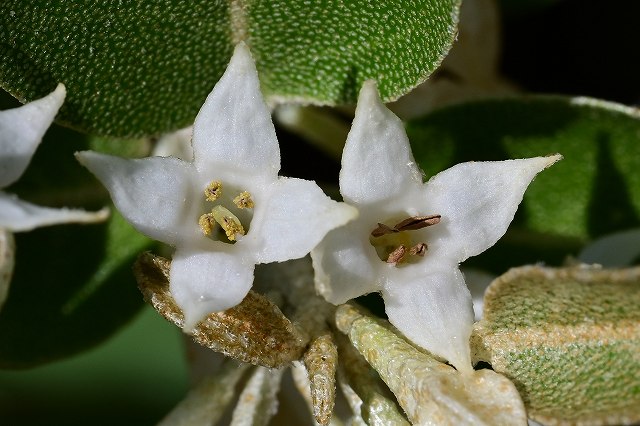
(230, 226)
(394, 245)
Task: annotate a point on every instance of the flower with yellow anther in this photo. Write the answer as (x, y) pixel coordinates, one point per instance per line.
(227, 210)
(411, 236)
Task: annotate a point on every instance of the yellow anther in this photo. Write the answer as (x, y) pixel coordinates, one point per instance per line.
(243, 201)
(213, 190)
(207, 222)
(229, 222)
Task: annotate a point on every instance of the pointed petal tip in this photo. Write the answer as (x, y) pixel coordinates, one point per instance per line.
(552, 159)
(242, 59)
(51, 103)
(369, 93)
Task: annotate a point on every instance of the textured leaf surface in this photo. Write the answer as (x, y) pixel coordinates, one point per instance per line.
(139, 68)
(569, 339)
(429, 391)
(254, 331)
(593, 191)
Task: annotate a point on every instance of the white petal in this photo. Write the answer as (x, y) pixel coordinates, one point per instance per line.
(154, 194)
(434, 311)
(295, 218)
(233, 130)
(344, 265)
(7, 260)
(206, 282)
(175, 144)
(377, 163)
(477, 201)
(17, 215)
(21, 130)
(617, 250)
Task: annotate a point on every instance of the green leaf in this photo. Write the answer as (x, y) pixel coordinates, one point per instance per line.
(593, 191)
(72, 285)
(569, 339)
(142, 68)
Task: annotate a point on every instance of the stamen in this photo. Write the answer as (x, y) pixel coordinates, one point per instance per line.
(397, 255)
(229, 222)
(243, 201)
(207, 222)
(213, 191)
(417, 222)
(381, 230)
(418, 250)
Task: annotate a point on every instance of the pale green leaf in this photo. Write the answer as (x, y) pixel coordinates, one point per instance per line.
(569, 339)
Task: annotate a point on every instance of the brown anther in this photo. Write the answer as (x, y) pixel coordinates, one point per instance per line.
(417, 222)
(381, 230)
(418, 250)
(397, 255)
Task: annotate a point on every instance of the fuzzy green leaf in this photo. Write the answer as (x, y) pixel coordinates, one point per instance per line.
(569, 339)
(593, 191)
(142, 68)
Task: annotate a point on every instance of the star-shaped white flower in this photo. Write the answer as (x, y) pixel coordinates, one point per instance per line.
(227, 210)
(21, 131)
(410, 236)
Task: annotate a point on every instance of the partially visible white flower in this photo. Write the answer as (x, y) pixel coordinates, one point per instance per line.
(411, 236)
(21, 131)
(227, 210)
(617, 250)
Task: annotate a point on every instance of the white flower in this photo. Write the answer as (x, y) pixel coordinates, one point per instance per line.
(227, 210)
(21, 131)
(410, 236)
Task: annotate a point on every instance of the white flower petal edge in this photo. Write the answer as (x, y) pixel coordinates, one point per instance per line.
(410, 236)
(21, 131)
(20, 216)
(232, 185)
(433, 310)
(198, 278)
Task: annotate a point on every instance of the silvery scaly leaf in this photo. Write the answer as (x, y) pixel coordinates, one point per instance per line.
(367, 395)
(206, 403)
(258, 400)
(569, 338)
(411, 236)
(429, 391)
(227, 210)
(254, 331)
(321, 362)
